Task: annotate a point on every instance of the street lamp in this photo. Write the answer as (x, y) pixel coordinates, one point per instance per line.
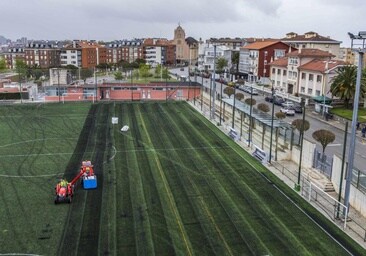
(270, 143)
(214, 86)
(297, 186)
(250, 115)
(360, 47)
(58, 85)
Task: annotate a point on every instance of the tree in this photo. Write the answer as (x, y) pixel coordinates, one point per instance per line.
(301, 126)
(144, 70)
(235, 60)
(103, 66)
(2, 64)
(86, 73)
(229, 91)
(221, 64)
(239, 96)
(344, 84)
(73, 70)
(158, 71)
(250, 102)
(263, 107)
(118, 75)
(21, 68)
(166, 73)
(280, 115)
(324, 137)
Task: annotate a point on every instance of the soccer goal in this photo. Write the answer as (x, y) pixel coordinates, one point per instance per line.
(78, 96)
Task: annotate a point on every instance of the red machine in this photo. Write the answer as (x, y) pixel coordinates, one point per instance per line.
(65, 190)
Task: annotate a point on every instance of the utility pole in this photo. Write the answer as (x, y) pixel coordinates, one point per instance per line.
(270, 142)
(214, 86)
(360, 48)
(58, 83)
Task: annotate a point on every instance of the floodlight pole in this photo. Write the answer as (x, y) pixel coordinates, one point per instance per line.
(214, 86)
(361, 51)
(342, 168)
(250, 116)
(297, 186)
(270, 142)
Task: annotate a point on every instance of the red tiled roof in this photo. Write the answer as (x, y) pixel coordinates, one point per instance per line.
(310, 52)
(260, 45)
(303, 38)
(281, 62)
(321, 65)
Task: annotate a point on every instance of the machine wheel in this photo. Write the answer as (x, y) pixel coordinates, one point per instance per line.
(56, 200)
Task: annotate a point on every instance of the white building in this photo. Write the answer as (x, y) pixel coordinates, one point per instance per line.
(306, 72)
(314, 41)
(206, 53)
(154, 55)
(71, 55)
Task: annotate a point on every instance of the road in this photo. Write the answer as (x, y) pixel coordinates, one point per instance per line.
(315, 124)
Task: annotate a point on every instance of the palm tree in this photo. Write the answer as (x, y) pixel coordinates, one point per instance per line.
(344, 84)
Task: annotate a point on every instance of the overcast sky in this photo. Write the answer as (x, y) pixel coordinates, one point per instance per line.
(126, 19)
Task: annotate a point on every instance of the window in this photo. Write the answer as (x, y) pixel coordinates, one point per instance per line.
(319, 78)
(290, 74)
(311, 77)
(317, 93)
(294, 74)
(310, 91)
(278, 71)
(273, 71)
(302, 89)
(284, 72)
(303, 76)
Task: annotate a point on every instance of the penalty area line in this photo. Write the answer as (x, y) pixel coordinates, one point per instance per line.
(28, 176)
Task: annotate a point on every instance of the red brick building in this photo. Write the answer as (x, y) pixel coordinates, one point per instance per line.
(128, 92)
(13, 54)
(44, 54)
(92, 54)
(124, 50)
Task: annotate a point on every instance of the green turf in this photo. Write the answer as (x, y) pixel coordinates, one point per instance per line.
(347, 113)
(172, 185)
(36, 143)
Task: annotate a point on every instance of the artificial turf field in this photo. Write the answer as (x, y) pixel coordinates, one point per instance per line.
(172, 185)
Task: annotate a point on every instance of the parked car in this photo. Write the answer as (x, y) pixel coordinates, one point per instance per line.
(278, 100)
(288, 111)
(288, 104)
(268, 98)
(297, 108)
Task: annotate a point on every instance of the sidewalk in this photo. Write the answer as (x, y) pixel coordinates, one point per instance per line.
(356, 225)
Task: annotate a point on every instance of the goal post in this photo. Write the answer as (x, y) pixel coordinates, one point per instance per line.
(78, 96)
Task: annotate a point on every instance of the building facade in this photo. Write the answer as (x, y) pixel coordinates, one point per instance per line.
(254, 59)
(13, 54)
(124, 50)
(43, 54)
(71, 54)
(306, 72)
(314, 41)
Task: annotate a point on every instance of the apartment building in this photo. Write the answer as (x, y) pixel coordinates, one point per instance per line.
(254, 59)
(207, 56)
(92, 54)
(159, 51)
(124, 50)
(43, 54)
(306, 72)
(71, 54)
(314, 41)
(12, 54)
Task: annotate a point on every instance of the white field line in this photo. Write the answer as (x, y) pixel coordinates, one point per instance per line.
(115, 153)
(20, 254)
(28, 141)
(29, 176)
(45, 154)
(169, 149)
